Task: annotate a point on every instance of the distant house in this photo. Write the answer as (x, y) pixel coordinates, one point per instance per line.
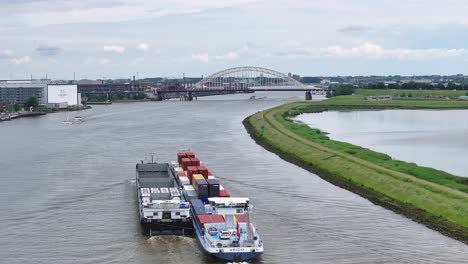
(379, 98)
(463, 97)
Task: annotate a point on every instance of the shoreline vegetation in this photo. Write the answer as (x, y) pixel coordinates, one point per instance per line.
(432, 197)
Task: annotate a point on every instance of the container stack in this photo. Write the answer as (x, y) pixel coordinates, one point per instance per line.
(200, 185)
(202, 180)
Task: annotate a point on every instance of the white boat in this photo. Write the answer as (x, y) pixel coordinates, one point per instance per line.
(77, 120)
(68, 121)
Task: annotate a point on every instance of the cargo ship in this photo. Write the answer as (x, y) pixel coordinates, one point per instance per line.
(221, 223)
(162, 207)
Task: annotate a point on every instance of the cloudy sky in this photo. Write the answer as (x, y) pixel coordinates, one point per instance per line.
(117, 38)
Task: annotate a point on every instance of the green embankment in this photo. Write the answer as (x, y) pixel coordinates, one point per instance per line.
(432, 197)
(413, 93)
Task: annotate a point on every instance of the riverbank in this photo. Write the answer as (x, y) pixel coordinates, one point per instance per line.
(432, 197)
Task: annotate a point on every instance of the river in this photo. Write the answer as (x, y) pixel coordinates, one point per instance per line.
(68, 192)
(431, 138)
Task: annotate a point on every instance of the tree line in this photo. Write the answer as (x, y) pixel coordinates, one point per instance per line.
(416, 86)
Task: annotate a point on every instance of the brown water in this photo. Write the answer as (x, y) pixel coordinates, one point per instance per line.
(67, 192)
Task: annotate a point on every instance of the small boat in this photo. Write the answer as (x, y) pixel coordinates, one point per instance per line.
(68, 121)
(77, 120)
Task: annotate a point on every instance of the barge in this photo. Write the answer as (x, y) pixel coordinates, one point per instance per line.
(163, 210)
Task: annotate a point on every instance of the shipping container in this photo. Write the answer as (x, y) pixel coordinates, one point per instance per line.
(190, 155)
(209, 173)
(185, 163)
(181, 174)
(190, 171)
(198, 206)
(241, 218)
(221, 187)
(195, 162)
(196, 177)
(181, 155)
(213, 187)
(189, 188)
(209, 218)
(200, 185)
(211, 177)
(223, 193)
(184, 180)
(203, 171)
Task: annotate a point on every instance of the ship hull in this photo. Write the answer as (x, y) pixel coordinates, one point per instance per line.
(166, 228)
(226, 256)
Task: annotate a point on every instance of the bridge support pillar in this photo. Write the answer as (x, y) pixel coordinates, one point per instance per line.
(308, 96)
(189, 96)
(158, 96)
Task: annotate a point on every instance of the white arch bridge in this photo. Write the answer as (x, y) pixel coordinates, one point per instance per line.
(246, 79)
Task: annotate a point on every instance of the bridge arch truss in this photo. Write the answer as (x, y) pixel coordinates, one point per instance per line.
(247, 77)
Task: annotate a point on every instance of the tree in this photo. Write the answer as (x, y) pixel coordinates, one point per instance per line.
(344, 90)
(32, 101)
(16, 107)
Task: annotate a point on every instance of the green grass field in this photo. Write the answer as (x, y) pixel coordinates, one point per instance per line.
(414, 93)
(433, 197)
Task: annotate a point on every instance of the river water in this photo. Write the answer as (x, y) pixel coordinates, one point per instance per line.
(68, 193)
(430, 138)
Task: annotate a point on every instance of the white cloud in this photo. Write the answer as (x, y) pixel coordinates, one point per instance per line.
(375, 51)
(6, 53)
(98, 61)
(232, 55)
(114, 48)
(203, 57)
(21, 60)
(143, 46)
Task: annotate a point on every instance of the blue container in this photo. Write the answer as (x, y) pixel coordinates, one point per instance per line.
(204, 199)
(213, 187)
(198, 206)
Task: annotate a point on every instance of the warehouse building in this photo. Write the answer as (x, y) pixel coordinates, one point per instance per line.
(50, 95)
(18, 92)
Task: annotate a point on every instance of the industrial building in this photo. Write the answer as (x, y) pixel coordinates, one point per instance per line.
(18, 92)
(50, 95)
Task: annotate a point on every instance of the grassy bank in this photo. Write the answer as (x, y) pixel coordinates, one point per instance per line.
(414, 93)
(435, 198)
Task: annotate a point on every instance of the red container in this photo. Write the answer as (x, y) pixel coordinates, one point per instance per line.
(190, 154)
(181, 155)
(241, 218)
(209, 218)
(185, 163)
(203, 171)
(195, 162)
(223, 193)
(209, 173)
(191, 170)
(181, 174)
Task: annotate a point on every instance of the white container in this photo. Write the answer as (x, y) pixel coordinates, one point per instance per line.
(178, 169)
(174, 163)
(184, 180)
(189, 188)
(221, 187)
(212, 177)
